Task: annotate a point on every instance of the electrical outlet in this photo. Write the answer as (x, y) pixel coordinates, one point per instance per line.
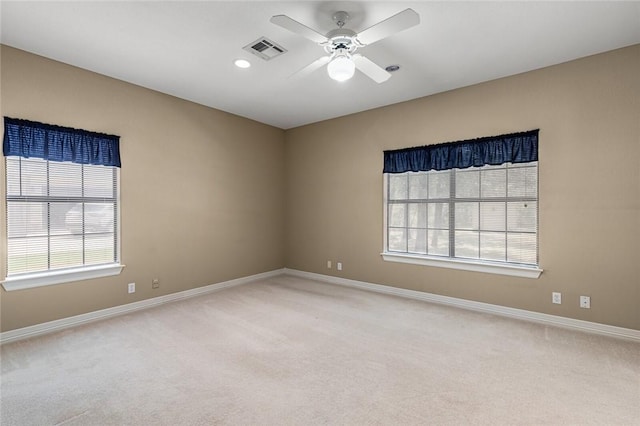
(585, 302)
(131, 288)
(556, 298)
(339, 266)
(155, 283)
(328, 264)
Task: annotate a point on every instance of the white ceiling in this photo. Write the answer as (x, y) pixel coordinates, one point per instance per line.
(187, 49)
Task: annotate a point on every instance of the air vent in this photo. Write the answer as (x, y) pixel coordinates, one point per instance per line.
(265, 48)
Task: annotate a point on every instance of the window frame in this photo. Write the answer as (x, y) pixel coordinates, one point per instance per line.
(459, 263)
(63, 275)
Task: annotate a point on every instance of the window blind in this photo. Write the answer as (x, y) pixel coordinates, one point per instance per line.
(487, 213)
(60, 215)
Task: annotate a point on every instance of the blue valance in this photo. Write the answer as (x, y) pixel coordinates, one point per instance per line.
(511, 148)
(25, 138)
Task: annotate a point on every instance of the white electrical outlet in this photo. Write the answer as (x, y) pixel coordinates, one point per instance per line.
(339, 266)
(556, 298)
(585, 302)
(132, 287)
(328, 264)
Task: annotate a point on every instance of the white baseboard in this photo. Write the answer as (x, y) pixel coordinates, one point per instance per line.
(51, 326)
(554, 320)
(590, 327)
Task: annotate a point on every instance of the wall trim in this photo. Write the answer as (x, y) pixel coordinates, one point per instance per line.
(553, 320)
(464, 264)
(40, 279)
(64, 323)
(537, 317)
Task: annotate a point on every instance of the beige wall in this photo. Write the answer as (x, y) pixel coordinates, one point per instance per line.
(201, 190)
(250, 198)
(588, 113)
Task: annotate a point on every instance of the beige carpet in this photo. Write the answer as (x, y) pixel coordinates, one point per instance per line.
(288, 351)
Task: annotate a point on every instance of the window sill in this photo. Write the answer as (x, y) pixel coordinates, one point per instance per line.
(464, 265)
(42, 279)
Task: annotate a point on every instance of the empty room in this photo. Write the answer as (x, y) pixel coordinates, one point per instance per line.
(319, 213)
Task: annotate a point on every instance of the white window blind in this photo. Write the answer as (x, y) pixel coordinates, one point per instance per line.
(487, 214)
(60, 215)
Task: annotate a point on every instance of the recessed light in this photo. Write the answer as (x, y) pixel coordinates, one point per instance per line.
(242, 63)
(392, 68)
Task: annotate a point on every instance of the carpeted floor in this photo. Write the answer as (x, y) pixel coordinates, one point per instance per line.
(289, 351)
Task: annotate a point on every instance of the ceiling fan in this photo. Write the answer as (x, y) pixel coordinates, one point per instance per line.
(342, 43)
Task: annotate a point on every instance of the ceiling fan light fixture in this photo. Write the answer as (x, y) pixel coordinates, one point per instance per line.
(341, 68)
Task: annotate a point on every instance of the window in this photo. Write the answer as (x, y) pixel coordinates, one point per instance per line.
(62, 216)
(464, 217)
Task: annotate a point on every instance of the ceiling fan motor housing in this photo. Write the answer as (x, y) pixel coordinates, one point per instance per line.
(342, 39)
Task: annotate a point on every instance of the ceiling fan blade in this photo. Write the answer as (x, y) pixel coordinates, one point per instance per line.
(370, 69)
(394, 24)
(296, 27)
(318, 63)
